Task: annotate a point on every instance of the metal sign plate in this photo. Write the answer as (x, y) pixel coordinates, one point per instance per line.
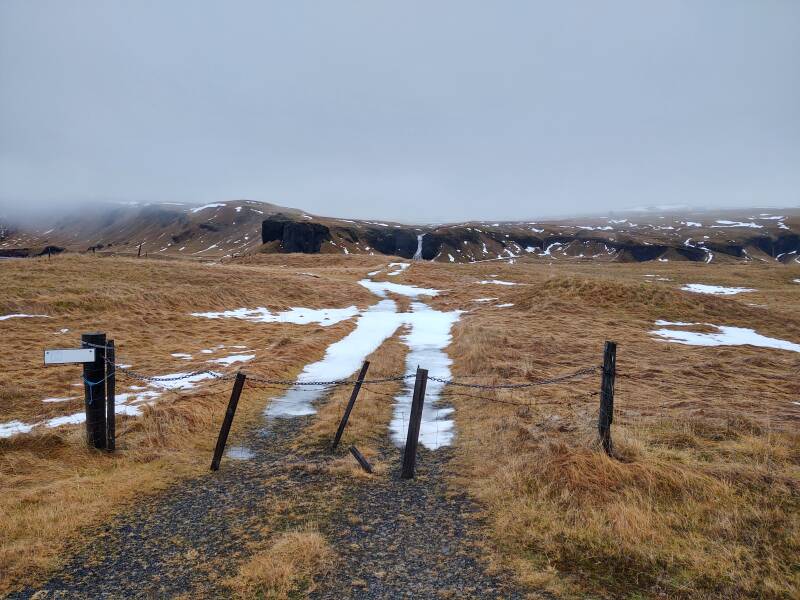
(68, 355)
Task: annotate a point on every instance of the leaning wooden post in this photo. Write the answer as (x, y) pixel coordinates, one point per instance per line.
(417, 400)
(361, 459)
(350, 404)
(228, 420)
(94, 389)
(111, 396)
(607, 396)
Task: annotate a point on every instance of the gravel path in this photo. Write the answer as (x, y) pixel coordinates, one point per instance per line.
(395, 538)
(182, 539)
(409, 539)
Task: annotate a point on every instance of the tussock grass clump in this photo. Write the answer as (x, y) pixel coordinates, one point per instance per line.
(287, 568)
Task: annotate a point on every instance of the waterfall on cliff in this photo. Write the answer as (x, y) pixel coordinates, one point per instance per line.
(418, 253)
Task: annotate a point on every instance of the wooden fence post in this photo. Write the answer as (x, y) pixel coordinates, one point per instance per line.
(361, 460)
(228, 420)
(417, 401)
(607, 396)
(350, 404)
(111, 397)
(94, 389)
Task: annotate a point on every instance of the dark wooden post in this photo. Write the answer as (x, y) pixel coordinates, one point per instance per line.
(111, 396)
(417, 401)
(607, 396)
(228, 420)
(94, 389)
(361, 460)
(350, 404)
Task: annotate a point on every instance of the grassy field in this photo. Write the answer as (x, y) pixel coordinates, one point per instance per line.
(702, 497)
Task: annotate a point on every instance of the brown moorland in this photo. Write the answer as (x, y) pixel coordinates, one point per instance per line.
(700, 500)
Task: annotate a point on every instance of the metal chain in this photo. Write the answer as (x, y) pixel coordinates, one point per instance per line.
(290, 383)
(333, 382)
(339, 382)
(514, 386)
(157, 378)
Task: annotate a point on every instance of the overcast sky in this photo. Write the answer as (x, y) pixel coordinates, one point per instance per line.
(416, 111)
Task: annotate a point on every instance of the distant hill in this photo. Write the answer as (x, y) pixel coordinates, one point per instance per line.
(238, 227)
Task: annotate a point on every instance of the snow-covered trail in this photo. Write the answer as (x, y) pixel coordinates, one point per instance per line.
(427, 338)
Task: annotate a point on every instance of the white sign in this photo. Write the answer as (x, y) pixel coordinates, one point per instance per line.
(68, 355)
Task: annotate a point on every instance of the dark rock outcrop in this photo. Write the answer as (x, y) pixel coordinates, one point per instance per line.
(295, 236)
(397, 242)
(783, 244)
(479, 241)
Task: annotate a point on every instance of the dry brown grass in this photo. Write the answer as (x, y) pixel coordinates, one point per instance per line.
(701, 500)
(288, 567)
(52, 484)
(703, 496)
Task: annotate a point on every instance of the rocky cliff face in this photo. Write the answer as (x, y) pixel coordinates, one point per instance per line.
(763, 237)
(294, 236)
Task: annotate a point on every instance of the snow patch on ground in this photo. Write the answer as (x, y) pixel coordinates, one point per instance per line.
(724, 336)
(13, 428)
(380, 288)
(737, 224)
(717, 290)
(497, 281)
(398, 268)
(22, 316)
(296, 315)
(239, 453)
(182, 384)
(233, 358)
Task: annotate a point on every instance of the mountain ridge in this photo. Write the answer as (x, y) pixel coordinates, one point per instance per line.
(237, 227)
